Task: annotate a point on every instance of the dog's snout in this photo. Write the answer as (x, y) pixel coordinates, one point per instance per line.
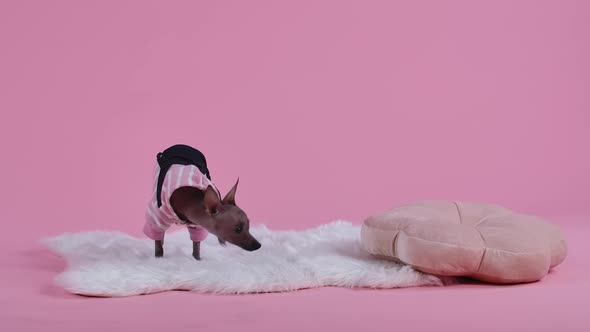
(255, 246)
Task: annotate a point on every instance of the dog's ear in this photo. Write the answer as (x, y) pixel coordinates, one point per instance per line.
(230, 198)
(212, 201)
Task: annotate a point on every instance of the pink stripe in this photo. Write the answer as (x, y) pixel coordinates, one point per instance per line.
(168, 178)
(168, 182)
(200, 184)
(155, 217)
(163, 219)
(167, 209)
(190, 177)
(178, 178)
(186, 176)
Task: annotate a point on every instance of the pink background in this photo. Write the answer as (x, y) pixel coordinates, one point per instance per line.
(324, 109)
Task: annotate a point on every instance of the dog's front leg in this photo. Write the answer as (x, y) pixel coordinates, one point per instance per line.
(159, 246)
(197, 250)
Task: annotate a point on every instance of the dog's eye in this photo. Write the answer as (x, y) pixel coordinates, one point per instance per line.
(239, 228)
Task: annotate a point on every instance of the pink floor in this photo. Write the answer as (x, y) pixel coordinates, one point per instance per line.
(561, 301)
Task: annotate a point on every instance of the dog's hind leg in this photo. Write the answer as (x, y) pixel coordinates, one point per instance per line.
(197, 250)
(159, 246)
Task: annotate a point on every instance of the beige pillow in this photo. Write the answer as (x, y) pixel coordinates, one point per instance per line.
(481, 241)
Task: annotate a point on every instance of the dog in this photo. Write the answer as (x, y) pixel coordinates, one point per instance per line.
(185, 195)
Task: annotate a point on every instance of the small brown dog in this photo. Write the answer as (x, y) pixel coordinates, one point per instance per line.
(184, 194)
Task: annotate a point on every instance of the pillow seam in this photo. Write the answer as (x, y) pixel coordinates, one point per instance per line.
(451, 244)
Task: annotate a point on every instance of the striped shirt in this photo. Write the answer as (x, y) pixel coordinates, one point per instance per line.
(158, 220)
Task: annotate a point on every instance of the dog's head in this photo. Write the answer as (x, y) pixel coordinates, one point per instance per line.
(231, 224)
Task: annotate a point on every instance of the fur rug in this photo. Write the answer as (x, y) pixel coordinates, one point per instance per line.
(116, 264)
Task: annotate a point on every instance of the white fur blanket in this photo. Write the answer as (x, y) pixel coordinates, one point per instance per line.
(116, 264)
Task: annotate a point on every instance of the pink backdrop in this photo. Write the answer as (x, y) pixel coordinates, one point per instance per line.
(331, 109)
(325, 110)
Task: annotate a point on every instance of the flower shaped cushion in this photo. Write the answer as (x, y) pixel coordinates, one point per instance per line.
(481, 241)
